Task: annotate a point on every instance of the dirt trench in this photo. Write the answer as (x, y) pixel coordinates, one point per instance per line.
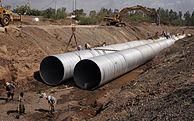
(23, 49)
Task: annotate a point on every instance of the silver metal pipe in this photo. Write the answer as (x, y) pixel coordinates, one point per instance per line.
(55, 69)
(94, 72)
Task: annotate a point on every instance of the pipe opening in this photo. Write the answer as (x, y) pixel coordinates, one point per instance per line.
(87, 74)
(51, 70)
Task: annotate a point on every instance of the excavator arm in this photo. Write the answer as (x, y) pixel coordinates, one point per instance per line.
(118, 19)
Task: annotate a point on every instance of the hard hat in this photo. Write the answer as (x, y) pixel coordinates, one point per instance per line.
(7, 83)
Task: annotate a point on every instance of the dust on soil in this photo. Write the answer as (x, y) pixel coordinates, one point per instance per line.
(162, 91)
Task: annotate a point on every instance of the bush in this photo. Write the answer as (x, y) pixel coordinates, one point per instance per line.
(86, 21)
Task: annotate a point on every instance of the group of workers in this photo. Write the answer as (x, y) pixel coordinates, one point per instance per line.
(164, 33)
(87, 46)
(10, 88)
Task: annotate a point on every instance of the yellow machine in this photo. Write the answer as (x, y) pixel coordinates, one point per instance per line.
(189, 35)
(5, 16)
(117, 21)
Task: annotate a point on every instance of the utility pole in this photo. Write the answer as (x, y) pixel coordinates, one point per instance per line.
(158, 16)
(28, 3)
(55, 6)
(74, 5)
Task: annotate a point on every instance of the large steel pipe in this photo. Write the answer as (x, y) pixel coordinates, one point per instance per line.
(57, 68)
(94, 72)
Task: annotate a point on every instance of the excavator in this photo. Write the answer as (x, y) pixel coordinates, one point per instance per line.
(117, 21)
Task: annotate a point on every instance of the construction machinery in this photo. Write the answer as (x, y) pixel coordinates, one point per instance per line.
(6, 16)
(117, 21)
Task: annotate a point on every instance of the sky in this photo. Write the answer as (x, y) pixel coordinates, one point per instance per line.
(88, 5)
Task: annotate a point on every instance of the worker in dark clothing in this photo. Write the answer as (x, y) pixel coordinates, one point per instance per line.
(87, 46)
(164, 33)
(168, 35)
(10, 91)
(149, 36)
(21, 108)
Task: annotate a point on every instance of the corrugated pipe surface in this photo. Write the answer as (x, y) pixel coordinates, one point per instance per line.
(57, 68)
(94, 72)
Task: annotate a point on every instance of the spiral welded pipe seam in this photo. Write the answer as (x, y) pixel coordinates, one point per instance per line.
(107, 67)
(55, 69)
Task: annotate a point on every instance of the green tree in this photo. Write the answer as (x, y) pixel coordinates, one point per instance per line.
(192, 19)
(49, 13)
(61, 13)
(187, 17)
(79, 13)
(180, 15)
(92, 13)
(24, 9)
(34, 12)
(163, 15)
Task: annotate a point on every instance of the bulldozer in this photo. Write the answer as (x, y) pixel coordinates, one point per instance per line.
(117, 21)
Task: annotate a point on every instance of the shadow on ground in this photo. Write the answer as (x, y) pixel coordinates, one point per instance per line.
(42, 110)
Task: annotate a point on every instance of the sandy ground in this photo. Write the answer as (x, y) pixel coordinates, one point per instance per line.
(159, 90)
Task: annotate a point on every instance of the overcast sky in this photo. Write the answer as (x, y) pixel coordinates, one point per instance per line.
(88, 5)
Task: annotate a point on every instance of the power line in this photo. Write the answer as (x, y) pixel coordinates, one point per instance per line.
(48, 4)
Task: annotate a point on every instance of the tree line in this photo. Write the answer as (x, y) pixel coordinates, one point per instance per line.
(164, 16)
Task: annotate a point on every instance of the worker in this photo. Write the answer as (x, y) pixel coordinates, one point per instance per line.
(79, 47)
(149, 35)
(21, 108)
(87, 46)
(156, 35)
(183, 32)
(164, 33)
(103, 44)
(10, 91)
(168, 35)
(52, 101)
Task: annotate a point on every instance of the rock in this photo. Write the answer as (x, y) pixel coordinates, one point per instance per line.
(2, 30)
(8, 29)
